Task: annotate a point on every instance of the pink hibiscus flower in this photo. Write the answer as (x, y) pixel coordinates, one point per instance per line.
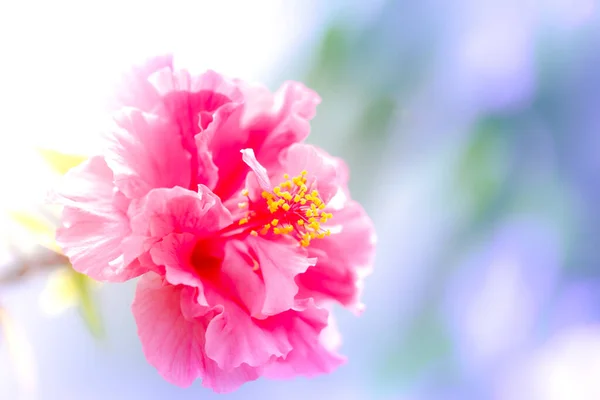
(243, 234)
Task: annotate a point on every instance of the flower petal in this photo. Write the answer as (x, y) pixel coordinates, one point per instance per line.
(174, 252)
(284, 115)
(279, 263)
(259, 171)
(165, 211)
(146, 152)
(225, 138)
(234, 338)
(267, 123)
(134, 89)
(184, 101)
(192, 100)
(222, 266)
(174, 344)
(208, 173)
(176, 210)
(240, 278)
(321, 168)
(94, 223)
(311, 355)
(344, 258)
(183, 259)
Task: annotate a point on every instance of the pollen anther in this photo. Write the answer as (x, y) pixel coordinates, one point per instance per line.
(297, 210)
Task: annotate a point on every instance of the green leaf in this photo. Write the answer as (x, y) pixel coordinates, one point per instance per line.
(86, 304)
(330, 58)
(41, 230)
(376, 117)
(60, 162)
(486, 163)
(67, 288)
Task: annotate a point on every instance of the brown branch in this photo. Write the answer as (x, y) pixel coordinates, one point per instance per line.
(41, 260)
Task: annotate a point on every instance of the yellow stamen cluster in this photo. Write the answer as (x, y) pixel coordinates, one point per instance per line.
(297, 210)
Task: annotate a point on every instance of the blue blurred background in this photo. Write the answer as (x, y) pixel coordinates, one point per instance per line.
(472, 129)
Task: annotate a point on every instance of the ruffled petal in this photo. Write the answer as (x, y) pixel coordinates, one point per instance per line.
(165, 211)
(188, 103)
(234, 338)
(321, 167)
(344, 258)
(311, 354)
(168, 211)
(225, 138)
(223, 266)
(145, 152)
(192, 100)
(174, 253)
(267, 123)
(94, 223)
(281, 118)
(259, 171)
(279, 263)
(134, 89)
(240, 277)
(174, 344)
(208, 173)
(256, 273)
(183, 259)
